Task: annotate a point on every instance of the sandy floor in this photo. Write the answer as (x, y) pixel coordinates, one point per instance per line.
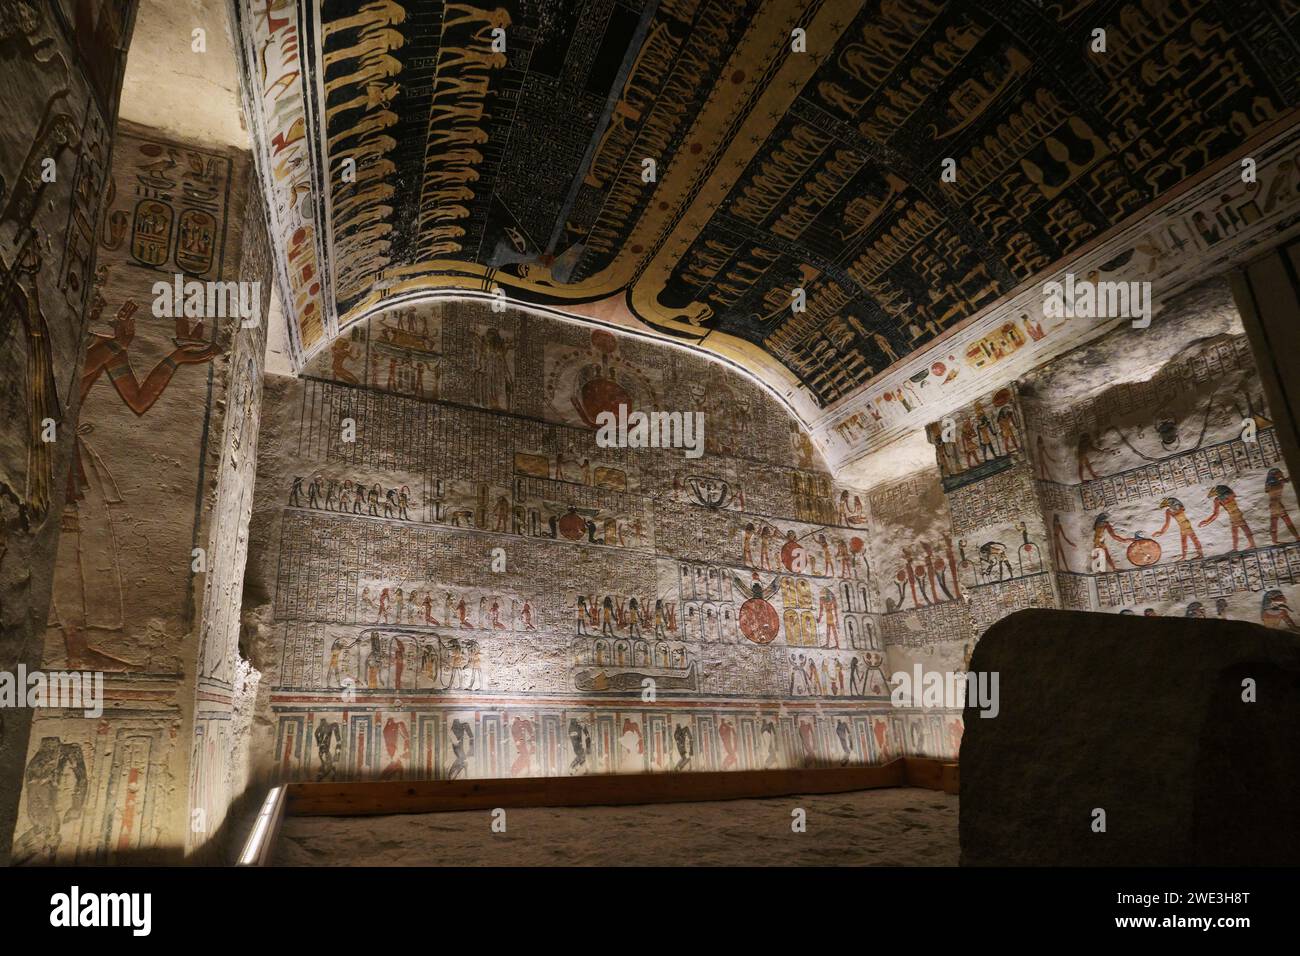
(894, 827)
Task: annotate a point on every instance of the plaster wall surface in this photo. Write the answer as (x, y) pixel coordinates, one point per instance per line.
(1140, 474)
(149, 558)
(61, 75)
(474, 587)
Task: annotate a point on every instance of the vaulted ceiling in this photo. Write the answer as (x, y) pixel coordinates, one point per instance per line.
(683, 165)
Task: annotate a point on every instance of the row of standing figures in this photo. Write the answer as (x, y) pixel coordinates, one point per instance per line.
(930, 577)
(350, 497)
(395, 742)
(407, 662)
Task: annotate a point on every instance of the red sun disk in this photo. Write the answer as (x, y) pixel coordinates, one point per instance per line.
(603, 395)
(572, 526)
(1144, 552)
(759, 621)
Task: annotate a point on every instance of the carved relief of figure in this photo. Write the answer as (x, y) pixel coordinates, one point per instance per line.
(35, 489)
(854, 516)
(88, 576)
(333, 671)
(399, 662)
(607, 617)
(474, 664)
(582, 615)
(110, 354)
(814, 679)
(1275, 612)
(881, 731)
(807, 742)
(374, 664)
(968, 441)
(747, 552)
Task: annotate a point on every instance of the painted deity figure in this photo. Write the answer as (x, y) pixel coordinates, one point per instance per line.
(969, 442)
(1006, 419)
(1059, 535)
(1084, 451)
(374, 663)
(462, 747)
(607, 617)
(845, 737)
(1225, 500)
(1275, 612)
(685, 746)
(397, 744)
(524, 734)
(984, 434)
(329, 742)
(1101, 528)
(1275, 488)
(88, 579)
(46, 793)
(829, 610)
(660, 619)
(1175, 513)
(580, 741)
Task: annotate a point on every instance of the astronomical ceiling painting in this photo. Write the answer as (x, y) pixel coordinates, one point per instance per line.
(686, 164)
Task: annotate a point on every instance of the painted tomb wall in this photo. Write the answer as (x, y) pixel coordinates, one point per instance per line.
(61, 69)
(1137, 474)
(158, 492)
(736, 585)
(1169, 495)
